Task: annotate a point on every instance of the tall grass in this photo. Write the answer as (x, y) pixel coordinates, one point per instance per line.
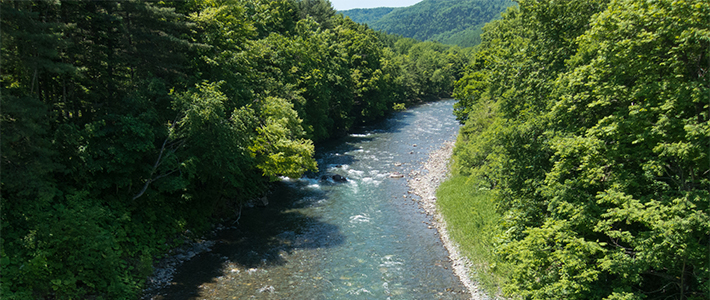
(474, 225)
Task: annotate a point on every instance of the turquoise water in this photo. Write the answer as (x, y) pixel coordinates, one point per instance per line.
(319, 239)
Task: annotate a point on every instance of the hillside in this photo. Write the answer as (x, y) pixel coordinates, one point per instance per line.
(452, 22)
(368, 15)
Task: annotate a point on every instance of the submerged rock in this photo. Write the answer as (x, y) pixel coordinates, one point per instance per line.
(263, 201)
(338, 178)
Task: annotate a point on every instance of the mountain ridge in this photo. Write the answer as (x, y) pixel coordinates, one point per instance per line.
(452, 22)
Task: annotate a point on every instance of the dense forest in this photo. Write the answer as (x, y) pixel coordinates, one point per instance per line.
(126, 125)
(453, 22)
(587, 125)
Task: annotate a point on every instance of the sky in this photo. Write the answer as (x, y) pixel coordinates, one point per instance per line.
(349, 4)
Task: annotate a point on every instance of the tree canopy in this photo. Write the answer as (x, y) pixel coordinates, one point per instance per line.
(589, 121)
(126, 123)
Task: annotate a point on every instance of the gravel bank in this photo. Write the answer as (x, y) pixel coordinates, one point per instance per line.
(424, 184)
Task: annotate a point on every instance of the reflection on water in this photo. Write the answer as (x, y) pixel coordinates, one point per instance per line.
(320, 239)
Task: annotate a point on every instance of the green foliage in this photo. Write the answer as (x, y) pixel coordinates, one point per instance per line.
(210, 147)
(125, 123)
(74, 246)
(452, 22)
(319, 10)
(279, 147)
(590, 119)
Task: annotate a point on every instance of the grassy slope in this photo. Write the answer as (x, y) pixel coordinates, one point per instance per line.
(474, 224)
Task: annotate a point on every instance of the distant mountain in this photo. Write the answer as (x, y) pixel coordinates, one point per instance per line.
(455, 22)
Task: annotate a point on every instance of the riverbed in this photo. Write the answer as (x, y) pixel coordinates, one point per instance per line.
(319, 238)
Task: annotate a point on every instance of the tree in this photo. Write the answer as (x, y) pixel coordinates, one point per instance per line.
(592, 119)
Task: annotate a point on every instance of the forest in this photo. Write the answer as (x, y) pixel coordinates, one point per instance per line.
(129, 127)
(452, 22)
(367, 15)
(586, 125)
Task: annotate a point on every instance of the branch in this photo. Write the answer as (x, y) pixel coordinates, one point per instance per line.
(239, 216)
(155, 167)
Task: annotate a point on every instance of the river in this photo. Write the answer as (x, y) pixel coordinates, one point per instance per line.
(318, 239)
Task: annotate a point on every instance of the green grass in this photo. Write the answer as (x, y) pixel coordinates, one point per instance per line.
(474, 225)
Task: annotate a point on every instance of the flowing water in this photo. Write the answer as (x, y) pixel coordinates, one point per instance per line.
(319, 239)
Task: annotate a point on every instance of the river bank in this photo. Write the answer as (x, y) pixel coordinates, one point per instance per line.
(424, 184)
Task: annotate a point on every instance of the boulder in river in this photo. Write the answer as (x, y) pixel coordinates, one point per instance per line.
(338, 178)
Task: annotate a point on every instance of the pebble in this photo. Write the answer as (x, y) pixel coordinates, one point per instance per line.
(424, 185)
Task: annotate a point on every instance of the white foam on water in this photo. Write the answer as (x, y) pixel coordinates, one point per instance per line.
(305, 182)
(363, 218)
(388, 261)
(374, 158)
(356, 173)
(381, 175)
(360, 134)
(354, 185)
(370, 180)
(359, 291)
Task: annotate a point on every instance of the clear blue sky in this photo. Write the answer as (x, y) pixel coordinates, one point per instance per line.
(348, 4)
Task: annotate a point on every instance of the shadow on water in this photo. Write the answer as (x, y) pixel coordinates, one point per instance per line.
(333, 152)
(264, 238)
(391, 124)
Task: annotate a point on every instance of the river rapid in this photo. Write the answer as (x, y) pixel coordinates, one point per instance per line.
(366, 238)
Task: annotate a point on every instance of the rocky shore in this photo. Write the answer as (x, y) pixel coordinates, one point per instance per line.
(424, 184)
